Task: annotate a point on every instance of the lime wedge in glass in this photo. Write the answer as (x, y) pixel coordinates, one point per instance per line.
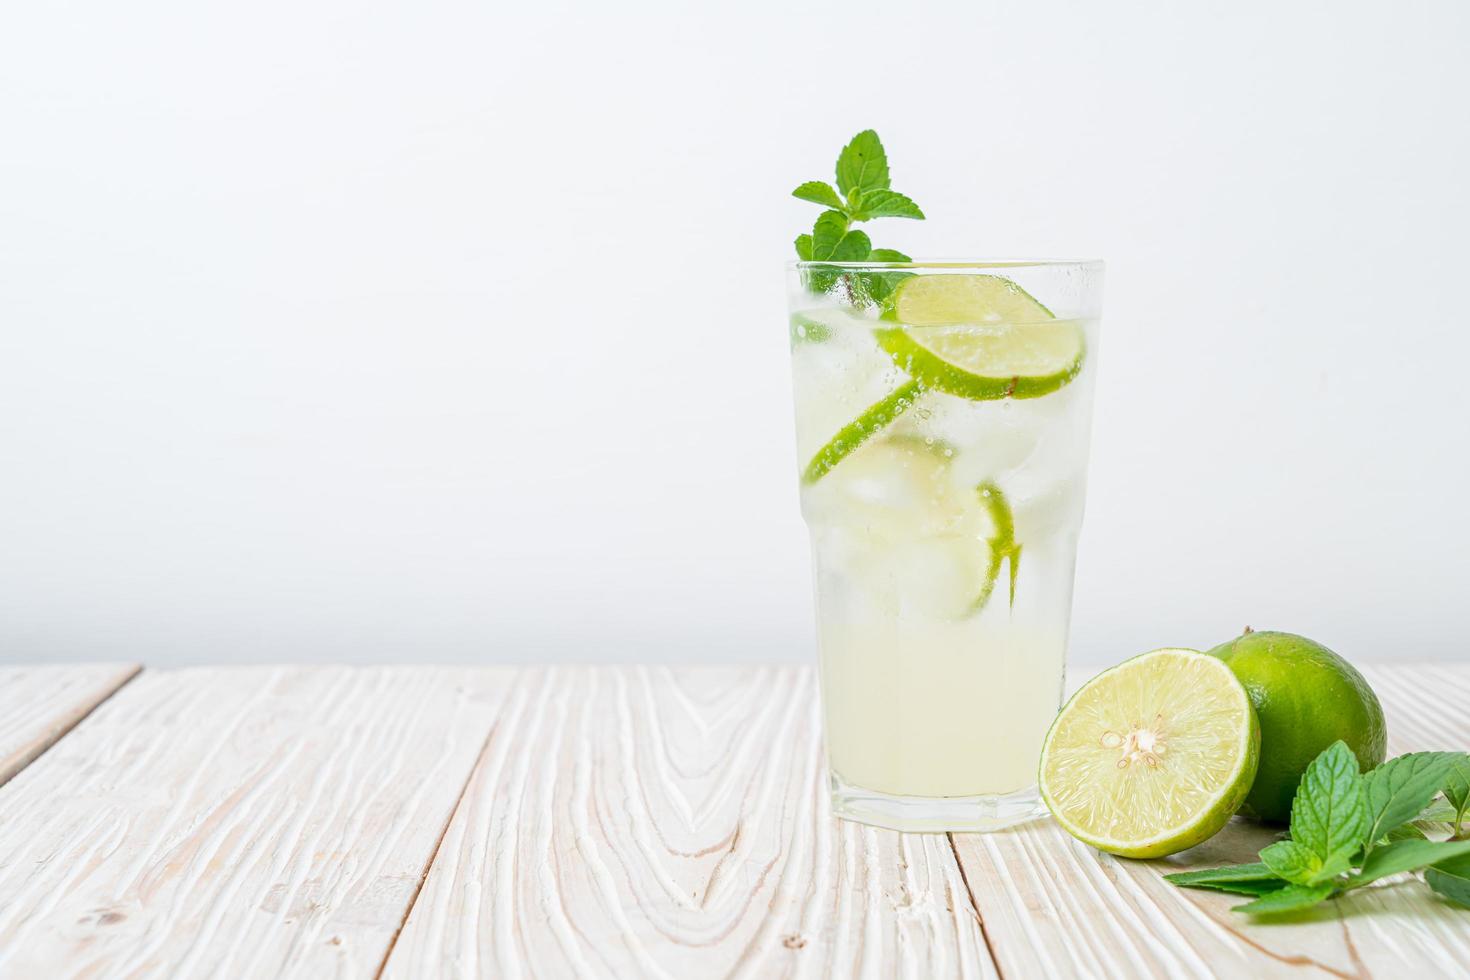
(980, 337)
(1152, 756)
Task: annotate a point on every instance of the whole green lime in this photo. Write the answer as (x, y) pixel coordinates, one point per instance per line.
(1306, 697)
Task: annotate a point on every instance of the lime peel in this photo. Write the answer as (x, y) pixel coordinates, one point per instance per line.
(1306, 698)
(873, 420)
(1003, 544)
(938, 357)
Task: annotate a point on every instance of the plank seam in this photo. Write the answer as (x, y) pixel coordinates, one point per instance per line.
(52, 738)
(975, 906)
(439, 843)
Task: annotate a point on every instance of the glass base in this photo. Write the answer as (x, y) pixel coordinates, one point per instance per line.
(933, 814)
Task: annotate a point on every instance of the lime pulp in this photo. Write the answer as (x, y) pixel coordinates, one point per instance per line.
(1151, 756)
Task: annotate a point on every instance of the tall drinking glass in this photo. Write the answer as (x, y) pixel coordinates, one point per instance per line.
(943, 414)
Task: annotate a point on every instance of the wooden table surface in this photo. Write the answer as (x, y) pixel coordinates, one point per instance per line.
(583, 822)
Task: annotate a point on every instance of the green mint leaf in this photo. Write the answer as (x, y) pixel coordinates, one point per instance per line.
(1401, 787)
(1451, 879)
(826, 233)
(880, 285)
(1294, 862)
(1407, 855)
(1253, 889)
(1436, 812)
(819, 192)
(1335, 866)
(1292, 898)
(854, 247)
(1457, 787)
(886, 204)
(1409, 831)
(1329, 814)
(1255, 871)
(823, 279)
(833, 242)
(804, 247)
(862, 165)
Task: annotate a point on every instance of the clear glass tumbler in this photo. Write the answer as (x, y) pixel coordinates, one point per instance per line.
(943, 415)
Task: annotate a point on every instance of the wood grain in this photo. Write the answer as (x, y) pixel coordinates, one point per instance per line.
(237, 822)
(638, 822)
(1054, 907)
(650, 822)
(39, 704)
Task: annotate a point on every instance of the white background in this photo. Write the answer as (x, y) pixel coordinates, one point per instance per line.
(453, 331)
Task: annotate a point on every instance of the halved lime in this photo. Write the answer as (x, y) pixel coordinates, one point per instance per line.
(980, 337)
(1152, 756)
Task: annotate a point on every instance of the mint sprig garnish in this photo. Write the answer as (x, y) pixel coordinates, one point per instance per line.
(862, 194)
(1349, 830)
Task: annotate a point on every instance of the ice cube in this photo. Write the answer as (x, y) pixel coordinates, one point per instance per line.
(837, 378)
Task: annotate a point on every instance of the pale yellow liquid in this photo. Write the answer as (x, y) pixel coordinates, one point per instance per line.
(952, 709)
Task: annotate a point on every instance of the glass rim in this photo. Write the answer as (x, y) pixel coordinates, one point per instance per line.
(956, 264)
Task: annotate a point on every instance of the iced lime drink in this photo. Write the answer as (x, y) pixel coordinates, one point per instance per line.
(943, 414)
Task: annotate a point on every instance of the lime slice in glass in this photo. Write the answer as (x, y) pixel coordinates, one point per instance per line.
(874, 419)
(951, 300)
(980, 337)
(1002, 543)
(1151, 756)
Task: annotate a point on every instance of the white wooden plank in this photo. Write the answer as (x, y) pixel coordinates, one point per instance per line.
(1054, 907)
(270, 822)
(40, 704)
(650, 822)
